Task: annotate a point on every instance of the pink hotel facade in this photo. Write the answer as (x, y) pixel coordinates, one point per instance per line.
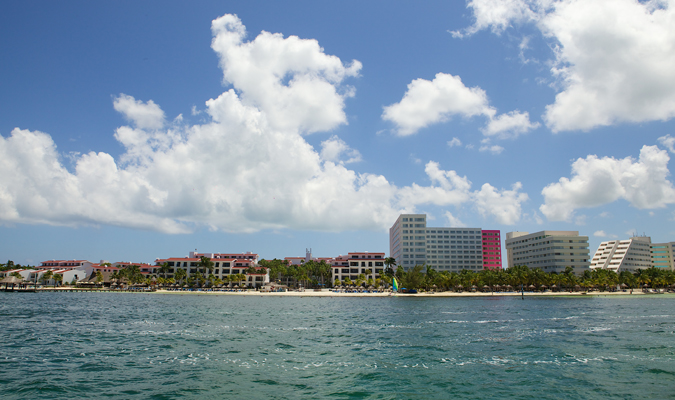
(492, 249)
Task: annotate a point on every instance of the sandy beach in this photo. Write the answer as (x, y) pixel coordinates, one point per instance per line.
(311, 293)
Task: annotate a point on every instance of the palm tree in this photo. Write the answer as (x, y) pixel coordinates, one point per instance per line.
(47, 276)
(164, 269)
(489, 277)
(133, 274)
(206, 264)
(57, 278)
(360, 279)
(390, 263)
(99, 277)
(180, 275)
(199, 278)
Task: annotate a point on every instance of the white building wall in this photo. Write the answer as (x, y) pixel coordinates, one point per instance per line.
(552, 251)
(663, 255)
(623, 255)
(412, 242)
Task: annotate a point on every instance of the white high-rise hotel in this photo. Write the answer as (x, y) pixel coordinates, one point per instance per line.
(412, 243)
(636, 253)
(552, 251)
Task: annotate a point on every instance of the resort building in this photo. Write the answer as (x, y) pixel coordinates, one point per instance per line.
(371, 265)
(218, 256)
(145, 268)
(623, 255)
(222, 267)
(66, 264)
(492, 249)
(552, 251)
(636, 253)
(412, 242)
(663, 255)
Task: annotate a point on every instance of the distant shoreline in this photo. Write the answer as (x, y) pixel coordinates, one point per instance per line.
(326, 293)
(310, 293)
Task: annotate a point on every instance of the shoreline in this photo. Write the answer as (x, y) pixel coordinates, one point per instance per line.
(389, 294)
(312, 293)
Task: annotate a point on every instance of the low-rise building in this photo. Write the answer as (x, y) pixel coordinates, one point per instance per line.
(66, 264)
(371, 265)
(223, 267)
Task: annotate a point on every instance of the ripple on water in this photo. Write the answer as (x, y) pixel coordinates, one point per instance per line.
(152, 346)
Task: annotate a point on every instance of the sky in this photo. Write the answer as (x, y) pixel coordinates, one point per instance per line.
(131, 131)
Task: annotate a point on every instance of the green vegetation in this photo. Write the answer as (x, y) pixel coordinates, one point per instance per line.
(310, 274)
(10, 265)
(521, 277)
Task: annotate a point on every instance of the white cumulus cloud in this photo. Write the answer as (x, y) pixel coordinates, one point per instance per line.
(454, 142)
(247, 167)
(454, 221)
(511, 124)
(335, 150)
(668, 142)
(290, 79)
(486, 146)
(430, 102)
(504, 205)
(496, 15)
(613, 59)
(143, 115)
(596, 181)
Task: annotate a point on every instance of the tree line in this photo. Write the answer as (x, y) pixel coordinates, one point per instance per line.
(521, 276)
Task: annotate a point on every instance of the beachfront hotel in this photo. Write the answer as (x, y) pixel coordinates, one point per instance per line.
(371, 265)
(552, 251)
(354, 264)
(663, 255)
(224, 264)
(636, 253)
(412, 242)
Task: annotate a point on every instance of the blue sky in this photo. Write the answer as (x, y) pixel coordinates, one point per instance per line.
(135, 131)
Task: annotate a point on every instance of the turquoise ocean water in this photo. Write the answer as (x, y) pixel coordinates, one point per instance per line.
(121, 345)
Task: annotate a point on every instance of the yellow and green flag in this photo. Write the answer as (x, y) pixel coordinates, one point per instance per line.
(395, 284)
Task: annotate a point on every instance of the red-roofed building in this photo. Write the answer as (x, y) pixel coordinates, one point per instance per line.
(146, 269)
(66, 264)
(224, 265)
(353, 264)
